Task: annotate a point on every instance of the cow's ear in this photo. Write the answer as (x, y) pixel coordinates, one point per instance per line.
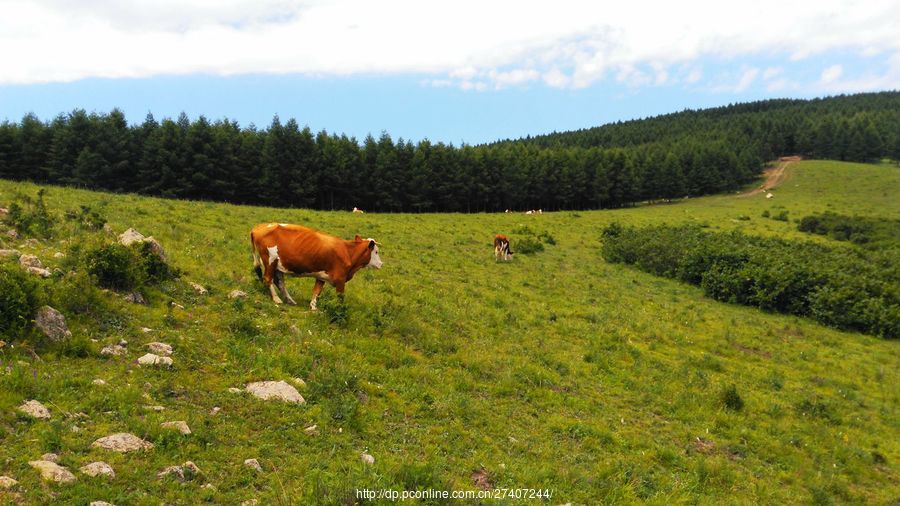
(371, 243)
(357, 238)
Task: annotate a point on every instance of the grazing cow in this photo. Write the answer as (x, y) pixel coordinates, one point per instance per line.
(280, 249)
(501, 248)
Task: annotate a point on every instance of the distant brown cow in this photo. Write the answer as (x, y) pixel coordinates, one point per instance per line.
(501, 248)
(280, 248)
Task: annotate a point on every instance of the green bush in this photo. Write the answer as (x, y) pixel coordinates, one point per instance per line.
(731, 398)
(115, 266)
(844, 288)
(873, 233)
(781, 216)
(86, 218)
(30, 216)
(77, 293)
(528, 245)
(20, 298)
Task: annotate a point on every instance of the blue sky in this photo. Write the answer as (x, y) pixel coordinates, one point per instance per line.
(453, 72)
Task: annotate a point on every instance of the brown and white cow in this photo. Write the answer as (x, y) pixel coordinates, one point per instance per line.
(280, 248)
(501, 248)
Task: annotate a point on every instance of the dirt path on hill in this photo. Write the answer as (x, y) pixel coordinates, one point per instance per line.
(774, 176)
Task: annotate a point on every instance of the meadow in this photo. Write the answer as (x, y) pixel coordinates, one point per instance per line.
(553, 371)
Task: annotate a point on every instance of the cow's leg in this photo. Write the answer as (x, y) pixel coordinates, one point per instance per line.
(317, 289)
(279, 282)
(339, 288)
(268, 277)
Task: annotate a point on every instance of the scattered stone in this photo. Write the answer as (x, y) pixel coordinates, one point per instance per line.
(151, 359)
(215, 411)
(59, 254)
(98, 469)
(12, 234)
(130, 237)
(26, 261)
(299, 382)
(101, 503)
(114, 350)
(209, 486)
(52, 323)
(3, 212)
(179, 425)
(122, 442)
(275, 390)
(200, 289)
(156, 247)
(99, 382)
(155, 408)
(51, 471)
(160, 348)
(35, 409)
(30, 243)
(146, 329)
(135, 298)
(108, 229)
(250, 502)
(366, 458)
(50, 457)
(235, 390)
(10, 253)
(312, 430)
(123, 343)
(185, 471)
(37, 271)
(6, 482)
(253, 464)
(237, 294)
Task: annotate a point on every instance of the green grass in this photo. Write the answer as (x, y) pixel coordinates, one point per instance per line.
(555, 370)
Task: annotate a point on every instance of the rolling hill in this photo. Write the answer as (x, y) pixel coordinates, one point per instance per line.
(556, 371)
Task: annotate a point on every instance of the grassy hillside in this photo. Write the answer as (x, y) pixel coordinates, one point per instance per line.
(554, 371)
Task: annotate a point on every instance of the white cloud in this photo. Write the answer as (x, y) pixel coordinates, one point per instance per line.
(473, 44)
(832, 80)
(747, 78)
(771, 72)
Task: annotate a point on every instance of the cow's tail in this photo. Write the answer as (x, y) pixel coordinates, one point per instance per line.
(257, 261)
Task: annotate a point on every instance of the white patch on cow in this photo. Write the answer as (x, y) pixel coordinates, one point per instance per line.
(312, 304)
(374, 260)
(283, 224)
(320, 275)
(270, 225)
(273, 254)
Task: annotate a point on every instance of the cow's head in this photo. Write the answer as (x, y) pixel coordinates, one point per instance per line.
(374, 259)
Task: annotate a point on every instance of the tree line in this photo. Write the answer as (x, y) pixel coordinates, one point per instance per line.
(682, 154)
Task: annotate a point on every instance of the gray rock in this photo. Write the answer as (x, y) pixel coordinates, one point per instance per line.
(26, 261)
(160, 348)
(37, 271)
(135, 298)
(4, 253)
(312, 430)
(253, 464)
(199, 289)
(366, 458)
(50, 457)
(59, 254)
(51, 471)
(130, 237)
(12, 234)
(235, 390)
(122, 442)
(35, 409)
(179, 425)
(6, 482)
(151, 359)
(99, 382)
(237, 294)
(114, 350)
(101, 503)
(52, 323)
(185, 471)
(280, 390)
(98, 469)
